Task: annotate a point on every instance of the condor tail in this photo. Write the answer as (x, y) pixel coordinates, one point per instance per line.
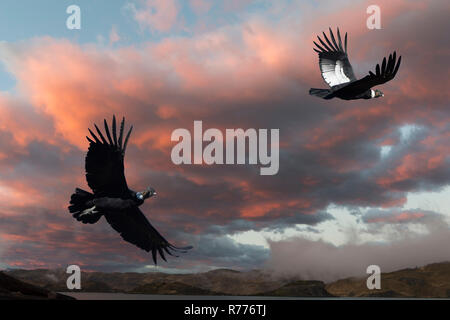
(321, 93)
(79, 202)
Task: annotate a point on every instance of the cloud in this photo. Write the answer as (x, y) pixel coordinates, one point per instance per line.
(200, 6)
(253, 73)
(320, 260)
(225, 252)
(398, 216)
(114, 35)
(155, 15)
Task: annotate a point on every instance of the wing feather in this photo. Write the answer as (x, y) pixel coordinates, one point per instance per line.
(105, 165)
(94, 136)
(114, 130)
(324, 44)
(122, 124)
(382, 75)
(340, 41)
(100, 134)
(126, 140)
(334, 40)
(107, 131)
(328, 41)
(135, 228)
(345, 42)
(318, 46)
(333, 60)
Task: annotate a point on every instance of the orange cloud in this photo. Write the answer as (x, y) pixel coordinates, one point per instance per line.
(398, 217)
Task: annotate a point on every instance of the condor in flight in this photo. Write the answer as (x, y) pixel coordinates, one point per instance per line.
(112, 198)
(338, 73)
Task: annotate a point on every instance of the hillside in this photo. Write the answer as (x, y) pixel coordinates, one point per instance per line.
(215, 282)
(13, 289)
(431, 281)
(299, 289)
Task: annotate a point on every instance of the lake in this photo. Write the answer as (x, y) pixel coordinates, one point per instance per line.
(127, 296)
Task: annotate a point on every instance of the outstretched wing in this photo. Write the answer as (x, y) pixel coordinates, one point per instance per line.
(382, 75)
(333, 60)
(104, 162)
(134, 227)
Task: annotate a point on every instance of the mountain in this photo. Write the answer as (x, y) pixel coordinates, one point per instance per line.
(220, 281)
(300, 289)
(431, 281)
(13, 289)
(215, 282)
(173, 288)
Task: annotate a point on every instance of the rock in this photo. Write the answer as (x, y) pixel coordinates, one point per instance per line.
(13, 289)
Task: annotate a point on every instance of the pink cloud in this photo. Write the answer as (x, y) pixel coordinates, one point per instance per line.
(201, 6)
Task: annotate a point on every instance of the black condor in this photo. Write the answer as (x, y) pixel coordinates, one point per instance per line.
(337, 72)
(111, 196)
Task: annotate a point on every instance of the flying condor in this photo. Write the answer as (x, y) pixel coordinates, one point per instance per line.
(337, 72)
(112, 198)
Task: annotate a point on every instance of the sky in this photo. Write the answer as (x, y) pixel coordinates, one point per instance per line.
(360, 182)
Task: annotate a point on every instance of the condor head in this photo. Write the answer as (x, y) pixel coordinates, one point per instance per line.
(147, 193)
(378, 94)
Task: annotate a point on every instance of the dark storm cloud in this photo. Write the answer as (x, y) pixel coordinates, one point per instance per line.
(224, 251)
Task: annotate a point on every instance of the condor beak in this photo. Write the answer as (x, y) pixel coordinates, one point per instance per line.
(151, 192)
(145, 194)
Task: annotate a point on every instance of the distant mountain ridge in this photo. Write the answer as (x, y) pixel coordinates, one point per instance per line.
(429, 281)
(214, 282)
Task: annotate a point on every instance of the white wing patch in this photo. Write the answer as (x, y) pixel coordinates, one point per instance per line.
(333, 72)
